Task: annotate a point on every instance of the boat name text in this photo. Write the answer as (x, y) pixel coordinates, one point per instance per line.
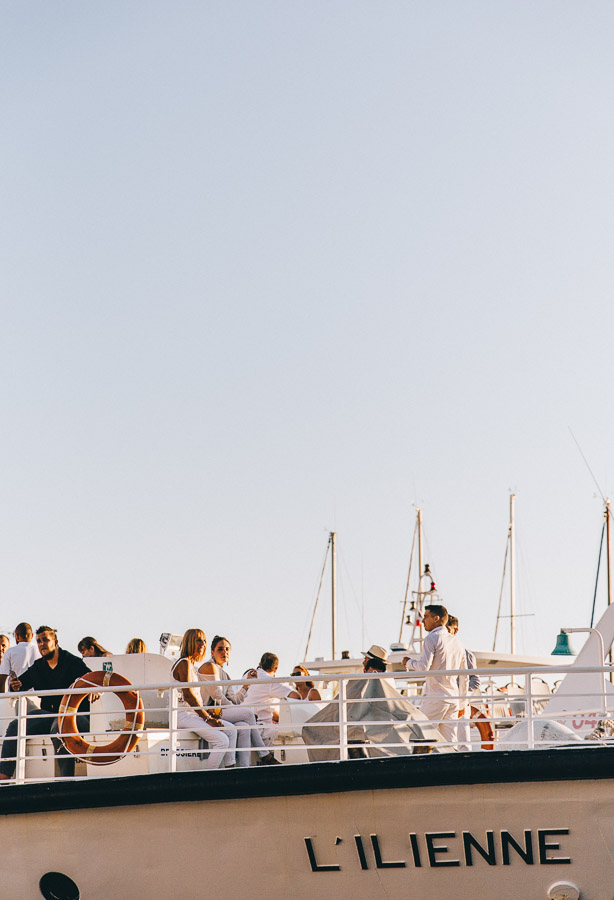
(442, 849)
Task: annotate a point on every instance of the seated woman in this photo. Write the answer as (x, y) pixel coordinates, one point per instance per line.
(220, 735)
(89, 646)
(306, 690)
(230, 700)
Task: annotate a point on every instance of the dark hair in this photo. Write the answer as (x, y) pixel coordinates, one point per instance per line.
(302, 671)
(216, 640)
(23, 630)
(268, 661)
(452, 622)
(374, 662)
(90, 643)
(42, 628)
(438, 610)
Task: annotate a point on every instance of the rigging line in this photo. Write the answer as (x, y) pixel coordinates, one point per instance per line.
(526, 589)
(411, 559)
(315, 605)
(347, 575)
(507, 547)
(597, 576)
(354, 596)
(587, 465)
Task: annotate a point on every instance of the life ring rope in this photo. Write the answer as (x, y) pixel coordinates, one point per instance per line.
(128, 737)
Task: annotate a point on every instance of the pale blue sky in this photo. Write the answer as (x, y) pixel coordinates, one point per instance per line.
(274, 268)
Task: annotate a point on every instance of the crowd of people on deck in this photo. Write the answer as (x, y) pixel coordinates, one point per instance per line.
(236, 722)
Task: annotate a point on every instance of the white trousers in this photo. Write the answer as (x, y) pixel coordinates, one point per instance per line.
(248, 733)
(222, 741)
(436, 709)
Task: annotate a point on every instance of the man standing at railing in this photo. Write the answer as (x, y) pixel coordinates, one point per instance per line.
(20, 657)
(441, 650)
(55, 669)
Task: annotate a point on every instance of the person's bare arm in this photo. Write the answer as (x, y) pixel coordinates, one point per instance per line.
(210, 672)
(181, 673)
(2, 683)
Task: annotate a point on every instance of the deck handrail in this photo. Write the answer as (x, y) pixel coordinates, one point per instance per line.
(527, 701)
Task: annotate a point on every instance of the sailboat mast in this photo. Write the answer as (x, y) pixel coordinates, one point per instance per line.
(419, 522)
(608, 518)
(333, 557)
(512, 576)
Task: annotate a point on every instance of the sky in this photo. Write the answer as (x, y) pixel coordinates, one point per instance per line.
(275, 269)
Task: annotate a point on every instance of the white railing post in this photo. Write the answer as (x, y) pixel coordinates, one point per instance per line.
(20, 766)
(172, 729)
(343, 722)
(528, 690)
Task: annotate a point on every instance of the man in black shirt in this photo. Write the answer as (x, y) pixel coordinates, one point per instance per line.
(55, 669)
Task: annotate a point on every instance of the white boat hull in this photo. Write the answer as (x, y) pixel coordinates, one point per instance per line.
(400, 840)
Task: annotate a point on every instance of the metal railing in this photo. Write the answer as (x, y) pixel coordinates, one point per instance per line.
(354, 722)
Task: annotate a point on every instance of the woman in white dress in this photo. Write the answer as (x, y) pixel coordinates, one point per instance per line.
(220, 735)
(230, 698)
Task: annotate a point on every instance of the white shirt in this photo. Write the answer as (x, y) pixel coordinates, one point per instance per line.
(220, 694)
(262, 697)
(441, 650)
(19, 658)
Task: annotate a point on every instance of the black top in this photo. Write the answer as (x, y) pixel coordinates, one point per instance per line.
(42, 677)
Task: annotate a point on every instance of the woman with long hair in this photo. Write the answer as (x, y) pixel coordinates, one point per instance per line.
(221, 736)
(136, 645)
(89, 646)
(230, 700)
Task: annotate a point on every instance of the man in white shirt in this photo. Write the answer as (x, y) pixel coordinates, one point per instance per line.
(264, 698)
(440, 651)
(20, 657)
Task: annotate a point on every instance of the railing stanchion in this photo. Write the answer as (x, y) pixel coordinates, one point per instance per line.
(172, 729)
(528, 689)
(20, 768)
(343, 723)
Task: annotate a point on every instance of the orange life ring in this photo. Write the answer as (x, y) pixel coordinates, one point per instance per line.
(101, 754)
(484, 727)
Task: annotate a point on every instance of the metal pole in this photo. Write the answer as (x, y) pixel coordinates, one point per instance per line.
(528, 690)
(333, 565)
(609, 559)
(512, 576)
(420, 568)
(343, 721)
(420, 604)
(20, 765)
(172, 730)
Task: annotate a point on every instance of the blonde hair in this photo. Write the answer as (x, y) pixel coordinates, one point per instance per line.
(136, 645)
(188, 644)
